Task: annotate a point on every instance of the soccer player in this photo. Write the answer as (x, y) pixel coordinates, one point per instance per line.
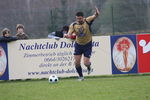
(83, 42)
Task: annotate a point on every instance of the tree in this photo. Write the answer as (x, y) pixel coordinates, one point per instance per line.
(124, 15)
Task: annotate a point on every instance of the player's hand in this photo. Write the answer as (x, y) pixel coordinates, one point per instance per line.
(97, 12)
(70, 36)
(66, 36)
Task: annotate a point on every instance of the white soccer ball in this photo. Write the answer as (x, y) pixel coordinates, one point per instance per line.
(53, 79)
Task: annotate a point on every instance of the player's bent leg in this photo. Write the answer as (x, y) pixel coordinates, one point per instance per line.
(87, 63)
(78, 67)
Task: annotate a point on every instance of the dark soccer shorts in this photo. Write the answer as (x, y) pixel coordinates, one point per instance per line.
(83, 49)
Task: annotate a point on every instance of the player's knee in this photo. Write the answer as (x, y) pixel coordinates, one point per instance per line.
(87, 63)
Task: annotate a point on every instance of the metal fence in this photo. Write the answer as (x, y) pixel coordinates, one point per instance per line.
(116, 17)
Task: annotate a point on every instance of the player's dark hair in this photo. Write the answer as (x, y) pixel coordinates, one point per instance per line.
(79, 14)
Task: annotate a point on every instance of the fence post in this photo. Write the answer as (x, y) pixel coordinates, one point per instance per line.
(112, 20)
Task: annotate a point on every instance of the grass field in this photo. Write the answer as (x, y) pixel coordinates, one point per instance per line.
(98, 88)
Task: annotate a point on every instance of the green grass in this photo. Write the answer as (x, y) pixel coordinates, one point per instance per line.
(98, 88)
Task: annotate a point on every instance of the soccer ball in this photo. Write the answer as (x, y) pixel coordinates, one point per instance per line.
(53, 79)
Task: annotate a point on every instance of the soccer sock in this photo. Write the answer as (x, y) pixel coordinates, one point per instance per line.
(79, 70)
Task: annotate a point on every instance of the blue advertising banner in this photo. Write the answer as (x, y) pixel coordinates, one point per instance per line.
(3, 61)
(124, 54)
